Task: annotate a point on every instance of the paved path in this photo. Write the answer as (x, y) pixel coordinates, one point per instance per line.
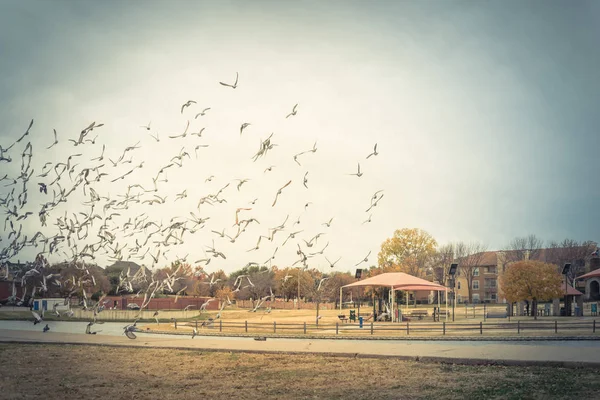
(567, 353)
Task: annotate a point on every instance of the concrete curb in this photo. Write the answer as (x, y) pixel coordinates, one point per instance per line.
(426, 359)
(404, 338)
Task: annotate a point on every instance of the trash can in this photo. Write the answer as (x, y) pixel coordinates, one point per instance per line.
(577, 312)
(360, 322)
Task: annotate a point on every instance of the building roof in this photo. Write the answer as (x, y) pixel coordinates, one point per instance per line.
(398, 281)
(593, 274)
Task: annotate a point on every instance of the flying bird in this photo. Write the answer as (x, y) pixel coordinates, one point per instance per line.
(366, 259)
(234, 85)
(359, 174)
(293, 111)
(187, 104)
(279, 192)
(374, 153)
(55, 140)
(202, 113)
(147, 127)
(244, 126)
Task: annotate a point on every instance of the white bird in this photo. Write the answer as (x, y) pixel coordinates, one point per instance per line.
(293, 111)
(234, 85)
(374, 153)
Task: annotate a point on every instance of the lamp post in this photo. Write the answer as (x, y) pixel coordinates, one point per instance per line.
(565, 271)
(452, 273)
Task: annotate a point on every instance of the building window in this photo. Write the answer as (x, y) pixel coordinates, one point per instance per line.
(459, 285)
(475, 297)
(459, 298)
(476, 272)
(476, 285)
(494, 296)
(492, 270)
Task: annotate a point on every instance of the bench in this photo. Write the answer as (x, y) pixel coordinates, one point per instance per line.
(496, 315)
(343, 318)
(417, 313)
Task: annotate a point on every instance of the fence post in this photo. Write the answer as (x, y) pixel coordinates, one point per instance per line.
(246, 324)
(444, 328)
(175, 323)
(518, 326)
(594, 326)
(555, 326)
(407, 329)
(274, 327)
(220, 325)
(481, 327)
(371, 327)
(336, 328)
(484, 308)
(305, 328)
(196, 324)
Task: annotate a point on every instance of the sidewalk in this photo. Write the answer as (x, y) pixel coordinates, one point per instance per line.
(565, 353)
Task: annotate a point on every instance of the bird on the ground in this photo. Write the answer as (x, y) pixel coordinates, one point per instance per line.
(46, 328)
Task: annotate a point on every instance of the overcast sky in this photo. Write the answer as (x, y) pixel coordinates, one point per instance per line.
(485, 115)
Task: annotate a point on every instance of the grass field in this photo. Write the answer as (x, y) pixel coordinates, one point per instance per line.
(93, 372)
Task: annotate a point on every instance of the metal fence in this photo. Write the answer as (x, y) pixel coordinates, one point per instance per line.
(396, 329)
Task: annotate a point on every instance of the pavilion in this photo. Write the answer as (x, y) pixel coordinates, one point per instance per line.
(398, 281)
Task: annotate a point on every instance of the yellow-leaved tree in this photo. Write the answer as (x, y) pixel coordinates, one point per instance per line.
(409, 251)
(533, 281)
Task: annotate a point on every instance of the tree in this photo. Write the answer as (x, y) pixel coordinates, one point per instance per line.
(469, 256)
(442, 260)
(411, 249)
(570, 251)
(533, 281)
(523, 248)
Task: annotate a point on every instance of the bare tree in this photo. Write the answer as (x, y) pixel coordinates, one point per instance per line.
(443, 258)
(469, 258)
(522, 248)
(570, 251)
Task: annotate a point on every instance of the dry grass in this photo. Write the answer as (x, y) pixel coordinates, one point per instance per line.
(92, 372)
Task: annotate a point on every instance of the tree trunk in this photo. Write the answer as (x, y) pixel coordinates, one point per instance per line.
(534, 308)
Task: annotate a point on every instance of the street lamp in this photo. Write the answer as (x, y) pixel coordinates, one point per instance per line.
(565, 271)
(452, 273)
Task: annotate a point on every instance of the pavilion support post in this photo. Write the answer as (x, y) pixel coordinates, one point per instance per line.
(340, 300)
(438, 296)
(393, 297)
(446, 291)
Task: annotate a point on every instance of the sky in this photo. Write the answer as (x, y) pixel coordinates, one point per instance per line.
(484, 113)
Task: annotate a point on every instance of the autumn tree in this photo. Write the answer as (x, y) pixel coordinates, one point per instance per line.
(523, 248)
(533, 281)
(469, 257)
(410, 249)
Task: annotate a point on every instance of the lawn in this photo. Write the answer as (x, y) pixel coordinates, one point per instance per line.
(94, 372)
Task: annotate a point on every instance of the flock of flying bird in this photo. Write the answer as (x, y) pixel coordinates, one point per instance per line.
(97, 226)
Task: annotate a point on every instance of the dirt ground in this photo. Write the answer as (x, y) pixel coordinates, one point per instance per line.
(92, 372)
